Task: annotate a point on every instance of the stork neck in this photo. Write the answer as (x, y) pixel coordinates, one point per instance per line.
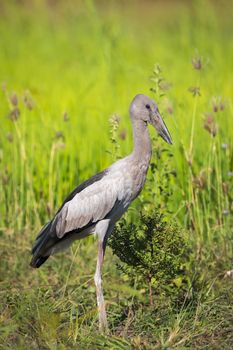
(142, 142)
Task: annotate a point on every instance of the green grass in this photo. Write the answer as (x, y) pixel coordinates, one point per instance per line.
(66, 68)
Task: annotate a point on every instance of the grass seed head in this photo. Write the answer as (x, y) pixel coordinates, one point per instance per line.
(59, 135)
(66, 117)
(14, 99)
(14, 114)
(27, 99)
(218, 104)
(197, 63)
(200, 180)
(195, 90)
(210, 124)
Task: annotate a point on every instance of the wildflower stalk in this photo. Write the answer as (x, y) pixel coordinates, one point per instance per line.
(193, 121)
(193, 194)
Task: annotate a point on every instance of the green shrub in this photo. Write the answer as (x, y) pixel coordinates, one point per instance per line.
(153, 254)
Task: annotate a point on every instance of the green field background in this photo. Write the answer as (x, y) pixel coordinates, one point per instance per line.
(67, 67)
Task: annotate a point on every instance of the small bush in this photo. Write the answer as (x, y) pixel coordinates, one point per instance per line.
(153, 254)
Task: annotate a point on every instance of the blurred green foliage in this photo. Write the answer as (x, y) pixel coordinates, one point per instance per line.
(66, 68)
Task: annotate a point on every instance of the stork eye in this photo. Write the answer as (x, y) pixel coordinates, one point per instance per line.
(148, 106)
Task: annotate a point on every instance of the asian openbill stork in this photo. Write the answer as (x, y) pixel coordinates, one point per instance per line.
(95, 205)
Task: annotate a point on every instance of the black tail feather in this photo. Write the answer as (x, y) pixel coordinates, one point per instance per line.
(42, 245)
(47, 240)
(39, 261)
(40, 238)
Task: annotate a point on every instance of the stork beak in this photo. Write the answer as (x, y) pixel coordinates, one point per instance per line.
(161, 127)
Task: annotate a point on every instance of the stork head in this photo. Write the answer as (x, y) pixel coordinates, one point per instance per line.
(145, 109)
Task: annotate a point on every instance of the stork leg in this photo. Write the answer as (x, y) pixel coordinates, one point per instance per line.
(103, 324)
